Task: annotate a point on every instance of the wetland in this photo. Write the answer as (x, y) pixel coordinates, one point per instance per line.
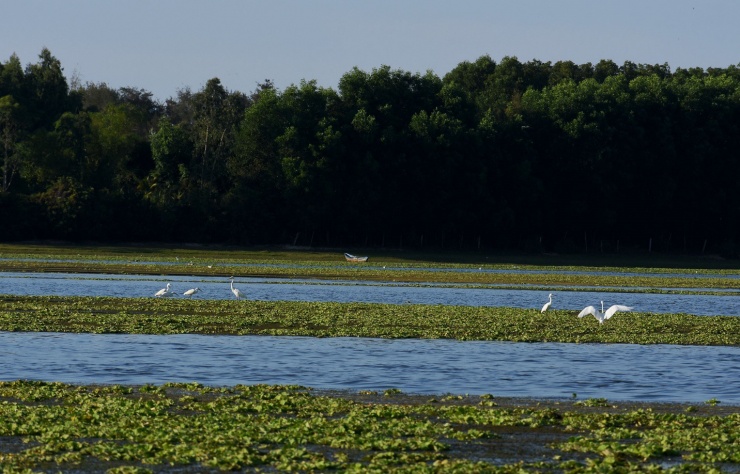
(653, 389)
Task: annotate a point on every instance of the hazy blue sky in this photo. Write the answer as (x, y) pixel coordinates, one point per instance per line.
(166, 45)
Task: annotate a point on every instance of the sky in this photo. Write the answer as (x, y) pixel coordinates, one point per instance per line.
(164, 46)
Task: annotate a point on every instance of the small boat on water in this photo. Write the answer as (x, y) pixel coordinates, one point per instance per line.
(354, 258)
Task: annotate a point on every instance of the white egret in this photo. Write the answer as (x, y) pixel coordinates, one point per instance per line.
(236, 291)
(191, 292)
(164, 291)
(603, 316)
(547, 305)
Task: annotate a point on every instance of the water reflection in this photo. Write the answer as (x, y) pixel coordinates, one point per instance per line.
(275, 289)
(542, 370)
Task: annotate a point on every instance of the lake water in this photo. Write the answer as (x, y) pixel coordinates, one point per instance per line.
(617, 372)
(276, 289)
(539, 370)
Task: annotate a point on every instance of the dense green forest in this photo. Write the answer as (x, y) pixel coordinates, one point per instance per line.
(506, 155)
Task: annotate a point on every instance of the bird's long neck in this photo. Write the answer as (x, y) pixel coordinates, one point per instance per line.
(602, 306)
(232, 287)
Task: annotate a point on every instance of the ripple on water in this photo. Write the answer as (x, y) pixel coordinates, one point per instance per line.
(279, 290)
(541, 370)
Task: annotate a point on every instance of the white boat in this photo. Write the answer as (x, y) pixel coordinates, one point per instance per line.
(354, 258)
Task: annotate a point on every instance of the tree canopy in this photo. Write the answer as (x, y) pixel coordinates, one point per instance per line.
(529, 156)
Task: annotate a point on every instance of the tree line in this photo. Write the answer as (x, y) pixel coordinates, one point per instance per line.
(534, 156)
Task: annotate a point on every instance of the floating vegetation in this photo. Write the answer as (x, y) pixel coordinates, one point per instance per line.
(593, 402)
(321, 319)
(402, 267)
(183, 427)
(186, 427)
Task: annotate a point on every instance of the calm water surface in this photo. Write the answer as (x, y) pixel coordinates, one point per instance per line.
(618, 372)
(275, 289)
(541, 370)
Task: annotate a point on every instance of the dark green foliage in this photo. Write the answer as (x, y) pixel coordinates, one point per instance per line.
(189, 427)
(531, 156)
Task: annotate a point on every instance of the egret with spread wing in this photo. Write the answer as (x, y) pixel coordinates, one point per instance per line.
(603, 316)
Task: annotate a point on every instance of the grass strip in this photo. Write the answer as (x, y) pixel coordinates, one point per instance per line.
(213, 253)
(353, 272)
(318, 319)
(386, 265)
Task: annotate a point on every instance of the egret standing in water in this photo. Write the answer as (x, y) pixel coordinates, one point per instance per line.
(603, 316)
(236, 291)
(191, 292)
(164, 292)
(547, 305)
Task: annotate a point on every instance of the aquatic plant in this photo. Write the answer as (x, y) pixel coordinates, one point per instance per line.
(402, 267)
(317, 319)
(188, 426)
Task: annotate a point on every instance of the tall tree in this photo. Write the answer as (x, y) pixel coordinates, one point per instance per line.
(217, 113)
(172, 152)
(472, 77)
(49, 92)
(97, 96)
(13, 119)
(9, 132)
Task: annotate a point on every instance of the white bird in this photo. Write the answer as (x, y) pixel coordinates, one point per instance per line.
(547, 305)
(236, 291)
(164, 291)
(191, 292)
(603, 316)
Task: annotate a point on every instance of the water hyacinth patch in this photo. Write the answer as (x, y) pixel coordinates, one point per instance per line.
(317, 319)
(187, 426)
